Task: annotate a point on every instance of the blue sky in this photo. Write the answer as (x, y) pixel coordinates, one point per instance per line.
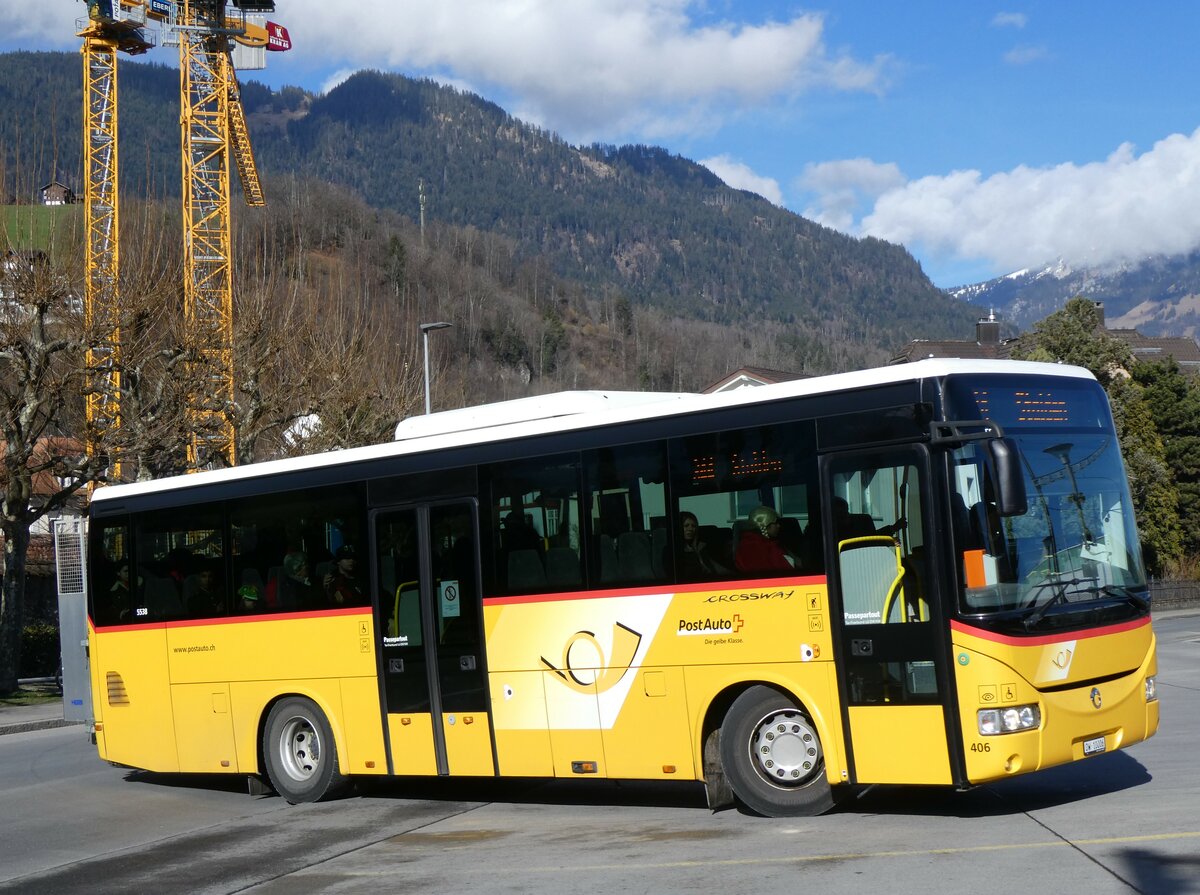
(984, 137)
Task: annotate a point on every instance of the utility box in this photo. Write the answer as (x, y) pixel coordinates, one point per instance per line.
(70, 551)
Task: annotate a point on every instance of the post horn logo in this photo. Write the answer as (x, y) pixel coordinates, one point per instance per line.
(583, 665)
(1096, 700)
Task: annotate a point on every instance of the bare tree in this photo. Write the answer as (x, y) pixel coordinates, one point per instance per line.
(367, 372)
(152, 438)
(41, 384)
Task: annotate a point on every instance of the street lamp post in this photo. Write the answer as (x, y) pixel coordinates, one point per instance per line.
(426, 329)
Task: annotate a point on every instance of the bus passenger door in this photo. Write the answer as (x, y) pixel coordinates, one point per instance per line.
(429, 618)
(886, 615)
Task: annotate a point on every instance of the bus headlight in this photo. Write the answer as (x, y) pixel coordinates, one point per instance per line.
(1010, 720)
(1151, 689)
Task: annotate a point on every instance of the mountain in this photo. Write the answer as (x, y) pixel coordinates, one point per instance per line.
(1159, 296)
(634, 222)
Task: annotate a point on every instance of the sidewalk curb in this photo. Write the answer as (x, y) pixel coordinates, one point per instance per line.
(26, 726)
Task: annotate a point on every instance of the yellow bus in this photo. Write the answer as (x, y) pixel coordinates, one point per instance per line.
(923, 574)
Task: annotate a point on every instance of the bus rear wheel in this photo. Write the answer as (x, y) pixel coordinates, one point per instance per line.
(772, 756)
(300, 754)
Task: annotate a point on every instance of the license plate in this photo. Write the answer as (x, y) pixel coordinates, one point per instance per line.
(1093, 746)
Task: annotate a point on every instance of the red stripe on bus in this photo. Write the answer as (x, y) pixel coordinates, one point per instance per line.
(1041, 640)
(767, 584)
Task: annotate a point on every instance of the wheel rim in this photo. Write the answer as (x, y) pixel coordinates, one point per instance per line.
(299, 749)
(785, 750)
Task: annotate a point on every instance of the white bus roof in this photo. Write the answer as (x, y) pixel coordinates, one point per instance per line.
(519, 410)
(535, 416)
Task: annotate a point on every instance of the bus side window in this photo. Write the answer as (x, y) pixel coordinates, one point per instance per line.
(313, 524)
(181, 565)
(112, 584)
(719, 479)
(533, 512)
(627, 507)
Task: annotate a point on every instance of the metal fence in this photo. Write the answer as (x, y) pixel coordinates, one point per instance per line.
(1174, 594)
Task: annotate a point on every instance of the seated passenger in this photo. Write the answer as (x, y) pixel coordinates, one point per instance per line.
(202, 594)
(694, 562)
(297, 591)
(859, 525)
(519, 534)
(249, 600)
(759, 549)
(341, 584)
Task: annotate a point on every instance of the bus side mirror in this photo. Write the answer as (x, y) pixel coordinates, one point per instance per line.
(1011, 499)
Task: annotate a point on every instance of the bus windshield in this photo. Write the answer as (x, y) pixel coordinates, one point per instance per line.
(1075, 549)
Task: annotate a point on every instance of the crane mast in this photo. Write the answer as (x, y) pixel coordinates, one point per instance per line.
(103, 37)
(208, 271)
(214, 130)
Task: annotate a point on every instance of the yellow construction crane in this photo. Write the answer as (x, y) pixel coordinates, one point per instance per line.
(213, 126)
(104, 35)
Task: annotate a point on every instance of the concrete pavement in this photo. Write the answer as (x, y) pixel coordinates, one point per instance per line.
(20, 718)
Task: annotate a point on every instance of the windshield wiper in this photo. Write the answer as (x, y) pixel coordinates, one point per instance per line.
(1124, 593)
(1038, 612)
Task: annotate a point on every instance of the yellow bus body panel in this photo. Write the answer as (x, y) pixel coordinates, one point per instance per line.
(468, 744)
(653, 737)
(1069, 677)
(900, 743)
(294, 647)
(411, 736)
(519, 719)
(576, 740)
(362, 719)
(133, 705)
(628, 678)
(204, 728)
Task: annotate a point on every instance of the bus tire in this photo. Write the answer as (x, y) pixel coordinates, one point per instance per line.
(300, 754)
(772, 756)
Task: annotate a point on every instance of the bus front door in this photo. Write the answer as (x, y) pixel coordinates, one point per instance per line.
(886, 615)
(426, 574)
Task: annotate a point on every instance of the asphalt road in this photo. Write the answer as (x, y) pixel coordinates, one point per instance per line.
(1121, 822)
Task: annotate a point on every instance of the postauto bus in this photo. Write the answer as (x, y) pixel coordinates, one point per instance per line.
(923, 574)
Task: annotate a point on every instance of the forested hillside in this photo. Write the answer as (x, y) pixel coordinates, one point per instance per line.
(658, 229)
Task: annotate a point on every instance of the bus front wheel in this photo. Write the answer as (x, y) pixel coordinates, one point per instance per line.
(772, 756)
(300, 754)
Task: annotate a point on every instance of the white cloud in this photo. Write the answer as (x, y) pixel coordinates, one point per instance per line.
(1010, 20)
(336, 79)
(740, 176)
(1121, 209)
(588, 68)
(649, 70)
(841, 189)
(1024, 55)
(42, 24)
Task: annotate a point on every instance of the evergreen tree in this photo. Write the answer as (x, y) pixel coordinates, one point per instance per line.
(1151, 482)
(1074, 335)
(1174, 401)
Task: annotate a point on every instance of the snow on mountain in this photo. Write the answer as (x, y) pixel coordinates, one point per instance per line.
(1160, 296)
